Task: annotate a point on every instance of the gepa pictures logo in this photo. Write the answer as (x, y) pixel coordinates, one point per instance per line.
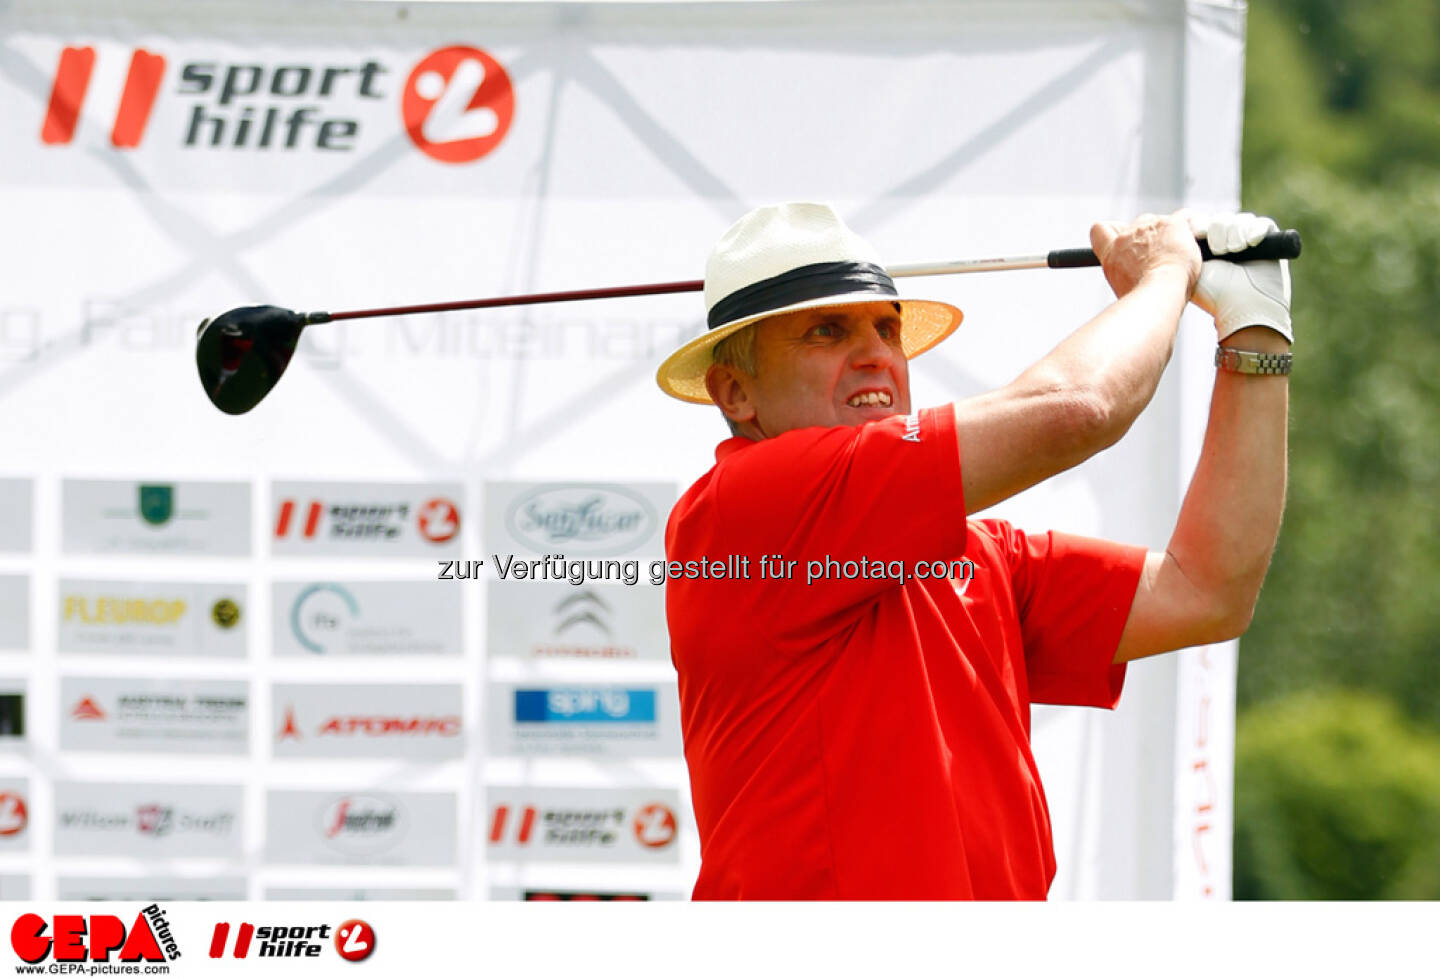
(94, 938)
(456, 104)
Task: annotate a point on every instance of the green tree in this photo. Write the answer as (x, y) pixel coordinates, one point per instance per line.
(1337, 797)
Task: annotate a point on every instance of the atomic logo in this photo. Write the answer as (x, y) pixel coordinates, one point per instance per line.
(655, 826)
(290, 730)
(87, 710)
(72, 81)
(457, 104)
(13, 814)
(439, 520)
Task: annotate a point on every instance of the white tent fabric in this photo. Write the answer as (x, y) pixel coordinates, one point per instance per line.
(328, 155)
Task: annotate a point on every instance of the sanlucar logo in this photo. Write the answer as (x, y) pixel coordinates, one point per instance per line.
(361, 824)
(582, 517)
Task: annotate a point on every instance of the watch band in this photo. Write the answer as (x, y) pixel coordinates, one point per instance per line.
(1251, 362)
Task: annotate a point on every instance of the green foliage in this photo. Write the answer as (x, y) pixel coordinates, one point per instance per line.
(1337, 797)
(1351, 87)
(1350, 598)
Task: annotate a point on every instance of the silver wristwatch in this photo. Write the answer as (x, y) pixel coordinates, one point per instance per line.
(1250, 362)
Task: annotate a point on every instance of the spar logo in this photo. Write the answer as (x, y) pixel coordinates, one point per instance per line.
(353, 940)
(93, 938)
(456, 104)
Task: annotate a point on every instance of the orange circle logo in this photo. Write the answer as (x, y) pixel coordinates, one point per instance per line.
(457, 104)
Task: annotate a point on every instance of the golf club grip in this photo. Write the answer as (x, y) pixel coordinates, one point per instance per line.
(1275, 245)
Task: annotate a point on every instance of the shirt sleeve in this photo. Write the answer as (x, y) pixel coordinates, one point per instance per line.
(1073, 595)
(883, 492)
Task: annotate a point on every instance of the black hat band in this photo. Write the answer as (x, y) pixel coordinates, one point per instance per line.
(801, 285)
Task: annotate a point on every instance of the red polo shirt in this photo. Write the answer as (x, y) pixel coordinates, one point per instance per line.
(866, 735)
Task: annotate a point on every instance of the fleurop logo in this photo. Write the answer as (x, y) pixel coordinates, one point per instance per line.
(456, 105)
(361, 824)
(92, 938)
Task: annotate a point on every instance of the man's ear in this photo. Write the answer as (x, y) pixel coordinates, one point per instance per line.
(729, 388)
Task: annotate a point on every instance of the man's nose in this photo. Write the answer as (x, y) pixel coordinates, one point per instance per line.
(871, 349)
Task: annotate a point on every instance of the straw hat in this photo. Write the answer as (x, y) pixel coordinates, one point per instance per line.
(786, 257)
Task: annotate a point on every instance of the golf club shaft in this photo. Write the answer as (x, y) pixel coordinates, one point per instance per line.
(1276, 245)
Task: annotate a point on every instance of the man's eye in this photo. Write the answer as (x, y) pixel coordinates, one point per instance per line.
(825, 330)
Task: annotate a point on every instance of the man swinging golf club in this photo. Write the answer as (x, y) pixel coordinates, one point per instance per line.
(859, 727)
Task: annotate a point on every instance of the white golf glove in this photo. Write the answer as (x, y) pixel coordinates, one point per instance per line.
(1242, 294)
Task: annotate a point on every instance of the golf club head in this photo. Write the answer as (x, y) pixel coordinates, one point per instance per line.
(241, 354)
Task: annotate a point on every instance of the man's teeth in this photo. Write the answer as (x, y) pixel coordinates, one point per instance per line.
(870, 398)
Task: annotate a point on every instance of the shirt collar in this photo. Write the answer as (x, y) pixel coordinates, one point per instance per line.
(731, 446)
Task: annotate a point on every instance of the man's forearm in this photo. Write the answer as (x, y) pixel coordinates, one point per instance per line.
(1228, 523)
(1117, 358)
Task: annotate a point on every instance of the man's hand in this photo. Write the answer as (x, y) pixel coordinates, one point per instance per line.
(1151, 245)
(1242, 294)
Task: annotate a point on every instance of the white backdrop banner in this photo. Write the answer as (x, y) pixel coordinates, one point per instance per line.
(166, 161)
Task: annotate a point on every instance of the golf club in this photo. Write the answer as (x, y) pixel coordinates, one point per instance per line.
(242, 353)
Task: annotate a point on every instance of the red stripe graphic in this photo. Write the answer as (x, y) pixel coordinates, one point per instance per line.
(497, 827)
(142, 84)
(313, 521)
(72, 78)
(283, 524)
(242, 940)
(217, 941)
(527, 824)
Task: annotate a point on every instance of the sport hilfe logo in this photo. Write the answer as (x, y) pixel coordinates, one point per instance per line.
(456, 105)
(354, 940)
(92, 938)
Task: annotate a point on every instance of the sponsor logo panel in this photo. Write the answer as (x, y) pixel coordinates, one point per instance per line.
(165, 618)
(552, 620)
(16, 498)
(14, 610)
(366, 519)
(151, 888)
(571, 894)
(455, 103)
(372, 720)
(116, 516)
(361, 894)
(14, 887)
(577, 519)
(148, 821)
(14, 815)
(583, 825)
(323, 618)
(361, 827)
(154, 714)
(630, 720)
